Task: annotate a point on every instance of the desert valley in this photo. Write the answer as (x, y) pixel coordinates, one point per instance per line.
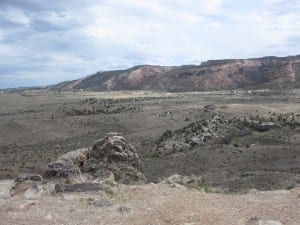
(216, 143)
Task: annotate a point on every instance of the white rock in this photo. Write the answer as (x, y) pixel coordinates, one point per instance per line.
(178, 186)
(5, 187)
(253, 191)
(49, 187)
(269, 222)
(49, 217)
(34, 192)
(256, 221)
(27, 204)
(175, 178)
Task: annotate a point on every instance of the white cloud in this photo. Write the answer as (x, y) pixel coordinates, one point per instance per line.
(15, 15)
(213, 5)
(154, 6)
(2, 35)
(8, 51)
(215, 24)
(96, 31)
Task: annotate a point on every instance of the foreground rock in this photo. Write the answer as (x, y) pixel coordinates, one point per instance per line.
(79, 187)
(114, 154)
(110, 158)
(65, 166)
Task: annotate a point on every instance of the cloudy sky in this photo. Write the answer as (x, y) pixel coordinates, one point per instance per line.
(43, 42)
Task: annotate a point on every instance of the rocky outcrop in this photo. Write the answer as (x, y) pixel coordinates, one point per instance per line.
(108, 161)
(110, 158)
(67, 165)
(214, 128)
(267, 72)
(114, 154)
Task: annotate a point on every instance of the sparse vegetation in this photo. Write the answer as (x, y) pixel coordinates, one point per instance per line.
(35, 131)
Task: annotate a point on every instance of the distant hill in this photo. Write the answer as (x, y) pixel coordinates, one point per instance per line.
(267, 72)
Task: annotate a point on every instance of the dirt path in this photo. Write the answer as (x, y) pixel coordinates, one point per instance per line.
(153, 204)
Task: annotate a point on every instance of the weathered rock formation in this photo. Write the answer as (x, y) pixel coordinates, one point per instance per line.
(65, 166)
(214, 128)
(109, 158)
(114, 154)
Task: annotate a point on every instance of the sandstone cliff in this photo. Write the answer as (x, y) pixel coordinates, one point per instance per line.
(267, 72)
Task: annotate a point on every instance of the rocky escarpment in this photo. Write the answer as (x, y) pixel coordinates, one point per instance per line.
(216, 129)
(267, 72)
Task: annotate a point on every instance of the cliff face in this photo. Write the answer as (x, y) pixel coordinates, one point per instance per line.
(267, 72)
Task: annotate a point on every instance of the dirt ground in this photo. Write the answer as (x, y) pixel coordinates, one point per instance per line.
(154, 204)
(36, 127)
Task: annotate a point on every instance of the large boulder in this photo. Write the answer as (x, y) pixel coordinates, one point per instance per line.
(108, 158)
(114, 154)
(67, 165)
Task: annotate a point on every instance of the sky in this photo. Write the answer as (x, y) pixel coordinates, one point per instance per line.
(43, 42)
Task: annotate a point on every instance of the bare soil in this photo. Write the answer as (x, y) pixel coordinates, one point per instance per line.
(153, 204)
